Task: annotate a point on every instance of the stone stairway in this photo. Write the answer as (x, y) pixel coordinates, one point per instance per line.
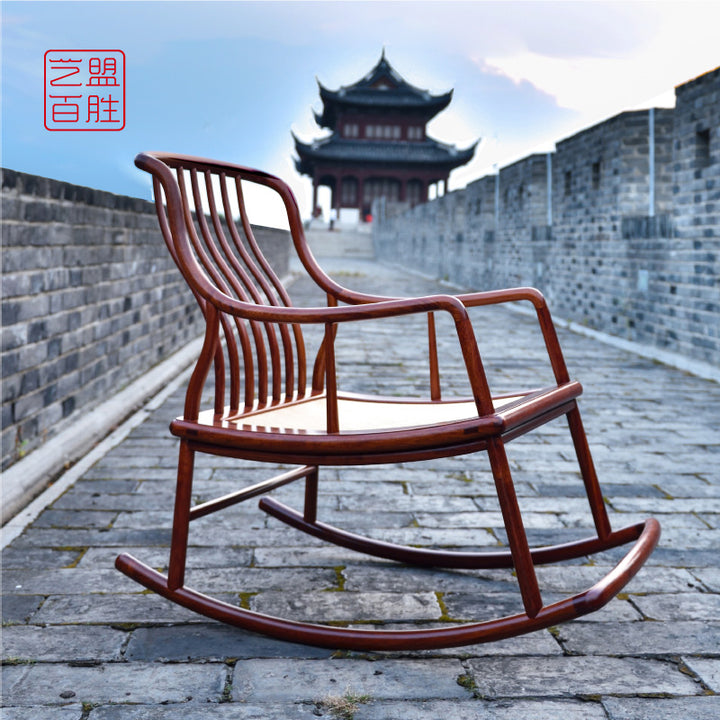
(349, 243)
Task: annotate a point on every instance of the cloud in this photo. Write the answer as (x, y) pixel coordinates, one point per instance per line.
(602, 73)
(582, 84)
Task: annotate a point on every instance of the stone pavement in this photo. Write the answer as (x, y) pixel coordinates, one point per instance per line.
(83, 642)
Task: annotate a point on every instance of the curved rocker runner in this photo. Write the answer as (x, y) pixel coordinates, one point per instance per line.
(271, 406)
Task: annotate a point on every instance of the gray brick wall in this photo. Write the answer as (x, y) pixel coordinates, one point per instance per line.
(608, 247)
(90, 301)
(605, 239)
(692, 277)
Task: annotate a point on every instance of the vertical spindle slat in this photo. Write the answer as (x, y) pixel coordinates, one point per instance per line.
(219, 361)
(435, 393)
(246, 275)
(206, 261)
(269, 358)
(281, 294)
(331, 399)
(241, 283)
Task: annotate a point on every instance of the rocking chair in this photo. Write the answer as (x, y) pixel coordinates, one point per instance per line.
(265, 410)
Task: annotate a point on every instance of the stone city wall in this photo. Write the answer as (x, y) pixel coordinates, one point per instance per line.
(91, 300)
(612, 245)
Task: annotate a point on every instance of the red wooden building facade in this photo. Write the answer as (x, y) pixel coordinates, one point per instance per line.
(378, 146)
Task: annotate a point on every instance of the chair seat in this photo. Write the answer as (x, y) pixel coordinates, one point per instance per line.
(370, 426)
(359, 413)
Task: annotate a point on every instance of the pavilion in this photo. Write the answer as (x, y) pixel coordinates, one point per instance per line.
(378, 146)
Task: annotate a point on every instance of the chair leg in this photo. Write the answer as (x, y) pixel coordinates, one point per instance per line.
(589, 476)
(522, 559)
(536, 616)
(181, 518)
(311, 491)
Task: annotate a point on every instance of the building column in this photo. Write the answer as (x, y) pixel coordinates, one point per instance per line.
(360, 194)
(337, 198)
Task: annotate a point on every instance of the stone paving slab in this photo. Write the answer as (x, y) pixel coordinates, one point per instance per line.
(63, 643)
(481, 710)
(466, 606)
(69, 712)
(302, 680)
(203, 557)
(580, 675)
(697, 708)
(539, 643)
(227, 711)
(55, 684)
(641, 638)
(82, 642)
(40, 558)
(210, 642)
(707, 669)
(679, 606)
(348, 607)
(113, 610)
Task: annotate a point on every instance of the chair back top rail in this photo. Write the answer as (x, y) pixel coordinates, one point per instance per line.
(204, 220)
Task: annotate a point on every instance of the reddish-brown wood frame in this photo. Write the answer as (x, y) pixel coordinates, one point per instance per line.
(255, 348)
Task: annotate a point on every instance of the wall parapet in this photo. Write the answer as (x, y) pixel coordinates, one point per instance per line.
(91, 300)
(619, 227)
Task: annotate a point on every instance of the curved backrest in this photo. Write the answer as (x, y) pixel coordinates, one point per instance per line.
(202, 210)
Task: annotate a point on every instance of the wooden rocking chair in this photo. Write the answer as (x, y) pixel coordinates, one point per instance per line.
(264, 410)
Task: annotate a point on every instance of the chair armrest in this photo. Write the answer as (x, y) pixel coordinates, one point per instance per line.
(496, 297)
(478, 299)
(381, 309)
(547, 327)
(388, 307)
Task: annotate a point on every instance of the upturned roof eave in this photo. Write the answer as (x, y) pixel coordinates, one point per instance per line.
(383, 99)
(318, 152)
(370, 93)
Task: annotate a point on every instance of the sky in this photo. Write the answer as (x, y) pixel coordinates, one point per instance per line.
(231, 80)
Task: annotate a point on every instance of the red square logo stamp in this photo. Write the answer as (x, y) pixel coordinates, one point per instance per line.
(85, 90)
